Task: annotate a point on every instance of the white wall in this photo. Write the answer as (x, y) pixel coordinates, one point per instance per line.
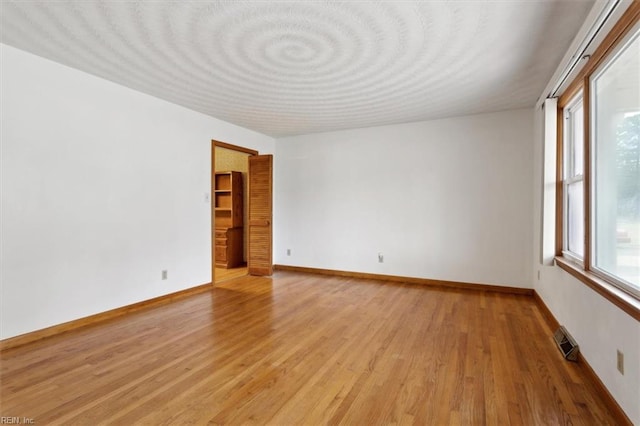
(599, 327)
(447, 199)
(102, 188)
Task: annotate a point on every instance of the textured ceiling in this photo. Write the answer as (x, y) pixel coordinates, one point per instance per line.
(285, 68)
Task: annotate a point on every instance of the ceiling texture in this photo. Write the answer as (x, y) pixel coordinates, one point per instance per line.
(297, 67)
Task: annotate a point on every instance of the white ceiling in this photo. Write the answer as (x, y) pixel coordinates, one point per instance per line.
(297, 67)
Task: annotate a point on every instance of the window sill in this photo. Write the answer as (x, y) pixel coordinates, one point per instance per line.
(622, 300)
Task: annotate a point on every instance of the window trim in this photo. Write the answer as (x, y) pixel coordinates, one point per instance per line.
(624, 301)
(605, 52)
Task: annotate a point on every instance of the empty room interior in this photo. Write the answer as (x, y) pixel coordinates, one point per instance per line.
(318, 212)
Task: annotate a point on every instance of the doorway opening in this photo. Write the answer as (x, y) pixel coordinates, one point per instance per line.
(230, 196)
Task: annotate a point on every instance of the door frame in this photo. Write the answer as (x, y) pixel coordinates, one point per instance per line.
(219, 144)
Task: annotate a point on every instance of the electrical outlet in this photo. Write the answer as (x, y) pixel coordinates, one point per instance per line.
(538, 275)
(620, 361)
(164, 274)
(380, 258)
(288, 252)
(206, 197)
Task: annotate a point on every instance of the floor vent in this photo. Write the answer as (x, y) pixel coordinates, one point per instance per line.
(566, 344)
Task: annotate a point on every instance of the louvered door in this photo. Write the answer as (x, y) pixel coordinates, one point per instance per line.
(259, 257)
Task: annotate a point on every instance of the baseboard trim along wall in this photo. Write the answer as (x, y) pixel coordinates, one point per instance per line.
(23, 339)
(409, 280)
(612, 404)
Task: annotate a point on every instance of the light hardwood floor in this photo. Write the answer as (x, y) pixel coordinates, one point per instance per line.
(307, 349)
(222, 274)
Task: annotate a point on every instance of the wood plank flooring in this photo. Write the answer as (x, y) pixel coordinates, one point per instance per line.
(307, 349)
(222, 274)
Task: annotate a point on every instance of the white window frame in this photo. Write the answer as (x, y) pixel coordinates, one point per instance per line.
(568, 174)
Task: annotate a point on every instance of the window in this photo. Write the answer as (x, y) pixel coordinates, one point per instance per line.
(598, 216)
(573, 180)
(615, 130)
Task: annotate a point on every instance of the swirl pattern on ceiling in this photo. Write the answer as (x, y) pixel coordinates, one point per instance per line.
(296, 67)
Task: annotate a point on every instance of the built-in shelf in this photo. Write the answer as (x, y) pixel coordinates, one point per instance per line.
(228, 219)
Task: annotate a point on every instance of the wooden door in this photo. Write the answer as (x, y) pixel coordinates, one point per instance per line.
(259, 258)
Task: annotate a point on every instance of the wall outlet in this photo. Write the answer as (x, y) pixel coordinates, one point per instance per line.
(620, 362)
(206, 197)
(164, 274)
(538, 274)
(380, 258)
(288, 252)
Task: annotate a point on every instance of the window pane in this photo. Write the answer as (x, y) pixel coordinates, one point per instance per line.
(617, 166)
(575, 218)
(574, 187)
(577, 159)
